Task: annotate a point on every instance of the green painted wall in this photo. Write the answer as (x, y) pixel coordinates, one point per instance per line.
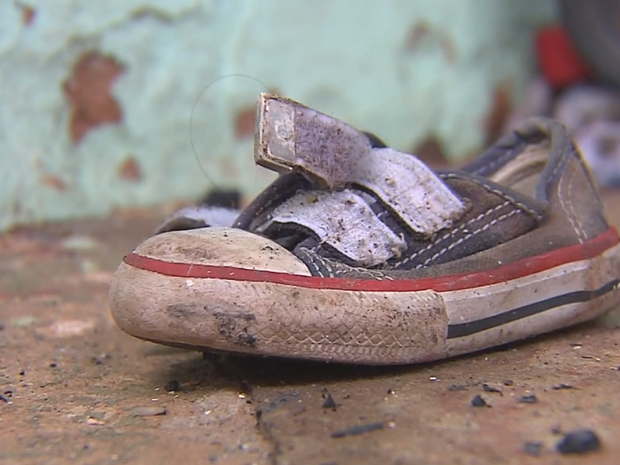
(96, 96)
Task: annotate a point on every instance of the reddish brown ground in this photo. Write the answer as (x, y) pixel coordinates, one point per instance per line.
(74, 383)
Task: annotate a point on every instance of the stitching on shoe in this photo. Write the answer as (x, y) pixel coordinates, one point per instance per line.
(467, 237)
(311, 263)
(498, 161)
(328, 267)
(572, 204)
(594, 196)
(570, 210)
(592, 189)
(453, 233)
(314, 258)
(564, 196)
(504, 195)
(566, 153)
(562, 202)
(373, 274)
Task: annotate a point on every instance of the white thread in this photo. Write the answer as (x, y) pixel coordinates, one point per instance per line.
(503, 195)
(582, 232)
(467, 237)
(312, 261)
(563, 205)
(496, 162)
(454, 232)
(561, 162)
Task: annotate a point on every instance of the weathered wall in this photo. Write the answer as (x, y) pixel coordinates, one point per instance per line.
(96, 97)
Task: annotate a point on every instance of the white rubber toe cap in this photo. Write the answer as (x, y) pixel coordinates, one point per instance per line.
(222, 247)
(156, 302)
(231, 290)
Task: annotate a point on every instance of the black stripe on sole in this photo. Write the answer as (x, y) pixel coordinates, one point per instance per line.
(473, 327)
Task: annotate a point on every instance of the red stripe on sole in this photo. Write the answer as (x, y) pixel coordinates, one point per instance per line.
(503, 273)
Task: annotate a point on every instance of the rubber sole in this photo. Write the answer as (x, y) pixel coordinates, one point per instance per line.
(197, 304)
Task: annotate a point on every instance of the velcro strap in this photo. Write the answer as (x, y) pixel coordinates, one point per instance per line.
(407, 186)
(292, 136)
(342, 220)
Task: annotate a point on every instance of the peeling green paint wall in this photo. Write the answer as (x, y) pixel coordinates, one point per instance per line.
(403, 69)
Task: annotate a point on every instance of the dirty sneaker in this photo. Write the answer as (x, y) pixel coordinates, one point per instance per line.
(358, 253)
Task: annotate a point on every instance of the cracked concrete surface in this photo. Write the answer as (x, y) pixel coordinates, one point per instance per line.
(77, 390)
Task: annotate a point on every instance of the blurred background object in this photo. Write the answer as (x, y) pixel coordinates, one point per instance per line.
(579, 65)
(595, 30)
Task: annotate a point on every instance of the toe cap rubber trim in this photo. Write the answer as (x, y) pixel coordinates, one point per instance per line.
(502, 273)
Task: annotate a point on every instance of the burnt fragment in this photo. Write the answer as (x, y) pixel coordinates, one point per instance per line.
(361, 429)
(528, 399)
(562, 386)
(491, 389)
(172, 386)
(329, 402)
(533, 448)
(457, 387)
(579, 441)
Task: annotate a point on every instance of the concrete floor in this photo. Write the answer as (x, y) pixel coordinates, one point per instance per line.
(77, 390)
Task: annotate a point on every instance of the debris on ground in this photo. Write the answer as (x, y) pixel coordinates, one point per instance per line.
(148, 411)
(528, 399)
(172, 386)
(79, 243)
(579, 441)
(100, 359)
(457, 387)
(94, 421)
(65, 329)
(355, 430)
(106, 371)
(329, 402)
(533, 448)
(491, 389)
(478, 401)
